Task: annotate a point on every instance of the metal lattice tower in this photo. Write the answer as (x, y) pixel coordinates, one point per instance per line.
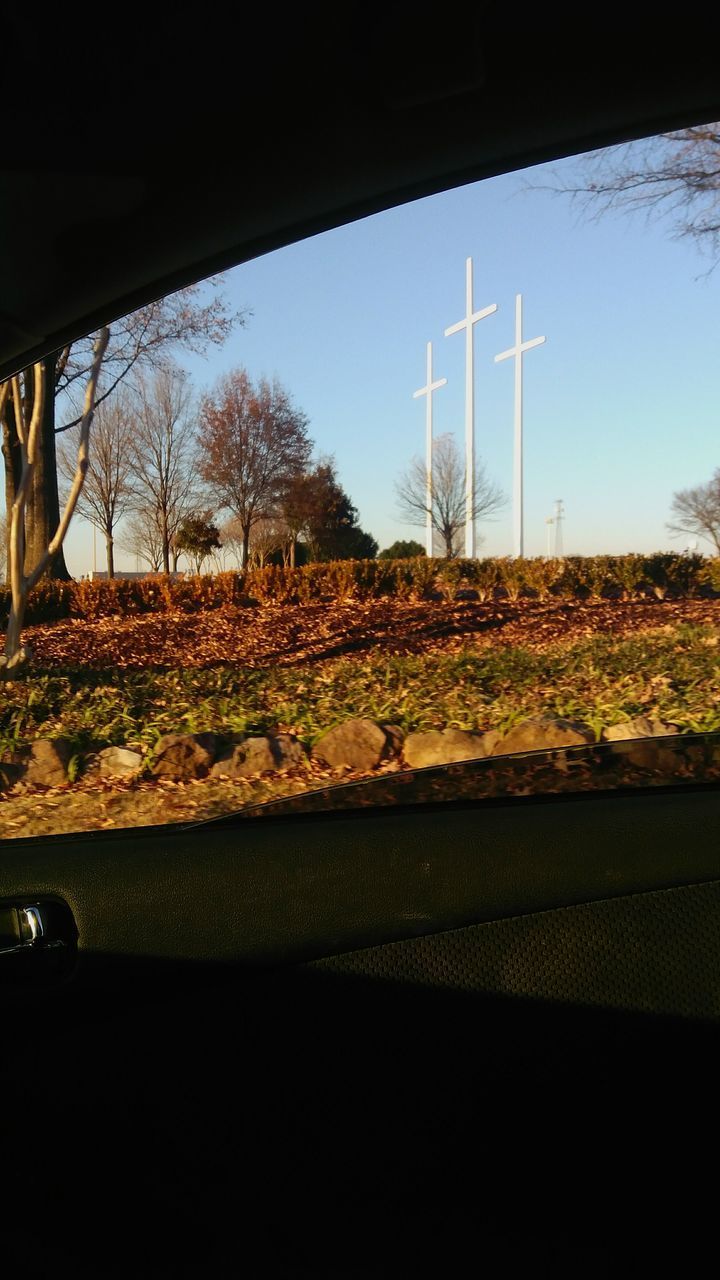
(559, 518)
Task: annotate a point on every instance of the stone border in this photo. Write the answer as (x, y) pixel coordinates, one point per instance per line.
(359, 744)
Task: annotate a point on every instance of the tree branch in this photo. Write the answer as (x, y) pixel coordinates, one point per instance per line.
(82, 464)
(76, 421)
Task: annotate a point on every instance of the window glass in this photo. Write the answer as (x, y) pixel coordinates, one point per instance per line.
(433, 491)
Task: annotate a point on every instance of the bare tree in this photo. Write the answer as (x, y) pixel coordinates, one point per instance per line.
(109, 490)
(141, 342)
(142, 538)
(147, 340)
(28, 406)
(253, 440)
(3, 548)
(676, 175)
(697, 511)
(231, 535)
(448, 502)
(163, 457)
(269, 535)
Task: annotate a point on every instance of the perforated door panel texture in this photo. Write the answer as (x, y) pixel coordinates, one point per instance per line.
(651, 953)
(499, 1099)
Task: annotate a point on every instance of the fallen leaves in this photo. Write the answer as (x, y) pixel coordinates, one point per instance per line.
(289, 635)
(98, 805)
(302, 668)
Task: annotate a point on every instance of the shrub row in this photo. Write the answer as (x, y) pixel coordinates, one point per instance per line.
(628, 577)
(579, 577)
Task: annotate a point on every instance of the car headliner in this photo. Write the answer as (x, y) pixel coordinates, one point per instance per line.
(170, 154)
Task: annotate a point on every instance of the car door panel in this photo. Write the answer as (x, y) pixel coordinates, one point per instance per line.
(361, 1043)
(270, 890)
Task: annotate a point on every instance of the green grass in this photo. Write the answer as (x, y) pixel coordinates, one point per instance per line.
(673, 674)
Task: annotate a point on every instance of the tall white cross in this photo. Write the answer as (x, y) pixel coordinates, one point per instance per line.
(518, 351)
(427, 390)
(471, 318)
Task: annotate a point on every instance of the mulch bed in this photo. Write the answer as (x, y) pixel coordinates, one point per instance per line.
(289, 635)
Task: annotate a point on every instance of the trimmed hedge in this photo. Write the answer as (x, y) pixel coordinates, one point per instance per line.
(631, 577)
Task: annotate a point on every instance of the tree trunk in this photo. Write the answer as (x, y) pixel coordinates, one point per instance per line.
(42, 513)
(110, 553)
(13, 468)
(165, 549)
(293, 545)
(245, 545)
(175, 558)
(42, 516)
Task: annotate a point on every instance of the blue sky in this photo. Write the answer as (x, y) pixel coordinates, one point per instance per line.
(621, 404)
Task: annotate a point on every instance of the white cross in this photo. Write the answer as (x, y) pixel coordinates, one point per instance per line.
(518, 351)
(471, 318)
(427, 390)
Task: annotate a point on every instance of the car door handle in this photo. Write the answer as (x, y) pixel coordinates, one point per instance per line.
(37, 937)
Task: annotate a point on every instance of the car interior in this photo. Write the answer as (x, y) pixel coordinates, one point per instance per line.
(477, 1037)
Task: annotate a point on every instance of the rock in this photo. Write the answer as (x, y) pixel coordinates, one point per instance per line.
(183, 756)
(252, 756)
(491, 741)
(288, 752)
(395, 738)
(47, 765)
(544, 733)
(361, 744)
(117, 762)
(260, 755)
(641, 727)
(443, 746)
(9, 774)
(643, 750)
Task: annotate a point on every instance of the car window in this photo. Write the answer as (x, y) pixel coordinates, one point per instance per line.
(438, 490)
